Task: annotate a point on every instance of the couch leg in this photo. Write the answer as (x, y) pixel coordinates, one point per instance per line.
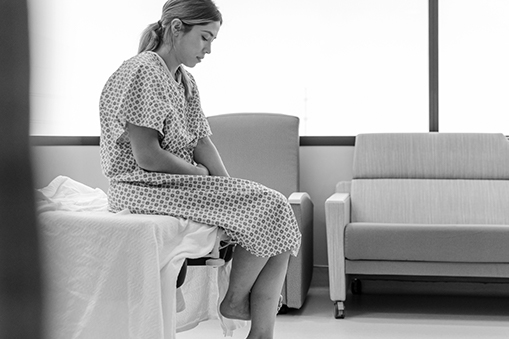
(339, 310)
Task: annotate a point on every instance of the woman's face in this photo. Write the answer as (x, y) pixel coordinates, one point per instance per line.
(191, 47)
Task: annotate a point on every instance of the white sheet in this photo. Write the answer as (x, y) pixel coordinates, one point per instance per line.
(114, 275)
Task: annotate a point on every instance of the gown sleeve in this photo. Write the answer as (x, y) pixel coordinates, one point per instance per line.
(144, 102)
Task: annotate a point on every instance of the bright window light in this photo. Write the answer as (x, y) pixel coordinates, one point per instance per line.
(474, 68)
(342, 66)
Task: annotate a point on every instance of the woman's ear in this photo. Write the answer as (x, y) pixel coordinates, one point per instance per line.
(176, 26)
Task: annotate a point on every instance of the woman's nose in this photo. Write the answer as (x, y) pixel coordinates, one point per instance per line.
(208, 48)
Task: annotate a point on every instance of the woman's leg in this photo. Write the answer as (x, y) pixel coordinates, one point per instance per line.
(245, 270)
(254, 290)
(265, 296)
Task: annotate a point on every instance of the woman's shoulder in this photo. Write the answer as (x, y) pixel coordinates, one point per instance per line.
(142, 65)
(143, 60)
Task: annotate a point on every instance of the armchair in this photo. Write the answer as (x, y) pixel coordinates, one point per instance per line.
(264, 147)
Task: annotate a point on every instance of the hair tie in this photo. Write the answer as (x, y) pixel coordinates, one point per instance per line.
(160, 25)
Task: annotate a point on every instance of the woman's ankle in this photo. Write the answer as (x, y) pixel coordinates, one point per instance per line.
(235, 309)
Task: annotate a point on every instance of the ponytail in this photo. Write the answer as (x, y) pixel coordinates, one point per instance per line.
(151, 37)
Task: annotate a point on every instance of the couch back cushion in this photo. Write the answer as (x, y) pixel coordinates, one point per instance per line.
(263, 147)
(431, 156)
(434, 178)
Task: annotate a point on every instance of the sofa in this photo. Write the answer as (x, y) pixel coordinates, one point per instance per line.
(420, 205)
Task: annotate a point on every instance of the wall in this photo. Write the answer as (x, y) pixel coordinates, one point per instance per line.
(321, 168)
(81, 163)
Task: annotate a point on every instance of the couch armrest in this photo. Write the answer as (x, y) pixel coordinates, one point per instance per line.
(300, 268)
(337, 216)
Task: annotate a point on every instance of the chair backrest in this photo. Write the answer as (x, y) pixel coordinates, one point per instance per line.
(431, 156)
(431, 178)
(261, 147)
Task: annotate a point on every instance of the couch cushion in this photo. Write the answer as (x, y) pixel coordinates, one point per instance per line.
(472, 243)
(431, 156)
(422, 201)
(263, 147)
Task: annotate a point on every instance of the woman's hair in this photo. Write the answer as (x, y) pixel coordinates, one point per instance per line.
(190, 13)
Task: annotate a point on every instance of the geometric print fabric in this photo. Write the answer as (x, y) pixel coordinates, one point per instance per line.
(143, 92)
(254, 216)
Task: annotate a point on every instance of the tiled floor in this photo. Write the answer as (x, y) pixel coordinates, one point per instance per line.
(386, 315)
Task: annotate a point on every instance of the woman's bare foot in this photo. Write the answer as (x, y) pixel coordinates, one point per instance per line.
(235, 310)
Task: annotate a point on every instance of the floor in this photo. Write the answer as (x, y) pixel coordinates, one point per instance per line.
(381, 313)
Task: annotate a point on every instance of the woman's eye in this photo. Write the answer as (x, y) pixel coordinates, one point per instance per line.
(204, 38)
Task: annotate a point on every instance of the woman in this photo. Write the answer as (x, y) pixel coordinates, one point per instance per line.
(157, 154)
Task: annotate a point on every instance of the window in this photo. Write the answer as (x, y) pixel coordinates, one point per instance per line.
(75, 46)
(473, 66)
(342, 66)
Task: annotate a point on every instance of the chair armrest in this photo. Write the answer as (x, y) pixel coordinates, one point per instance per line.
(337, 207)
(302, 207)
(337, 216)
(300, 268)
(298, 197)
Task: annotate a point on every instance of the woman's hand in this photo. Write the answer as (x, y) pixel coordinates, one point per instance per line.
(206, 153)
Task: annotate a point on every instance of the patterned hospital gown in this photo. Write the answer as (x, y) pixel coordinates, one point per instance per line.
(143, 92)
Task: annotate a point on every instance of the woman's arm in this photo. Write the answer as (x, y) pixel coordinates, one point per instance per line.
(151, 157)
(206, 153)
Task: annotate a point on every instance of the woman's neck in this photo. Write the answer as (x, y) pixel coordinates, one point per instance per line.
(169, 60)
